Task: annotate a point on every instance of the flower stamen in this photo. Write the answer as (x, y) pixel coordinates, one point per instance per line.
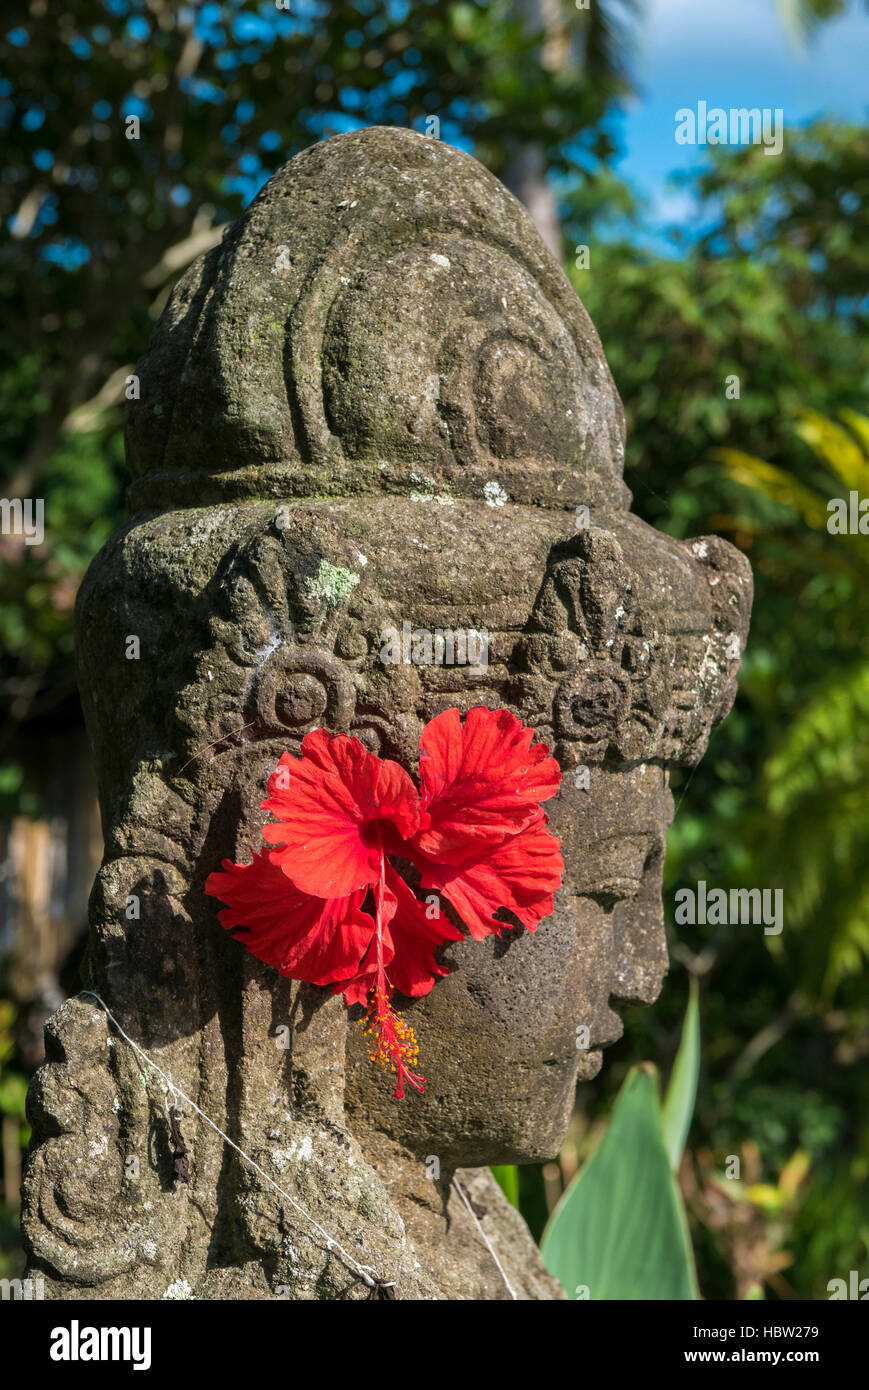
(394, 1044)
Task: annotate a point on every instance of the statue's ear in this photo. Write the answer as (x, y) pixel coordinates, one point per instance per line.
(731, 589)
(641, 637)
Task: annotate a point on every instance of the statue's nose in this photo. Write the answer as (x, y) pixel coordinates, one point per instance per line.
(639, 940)
(637, 981)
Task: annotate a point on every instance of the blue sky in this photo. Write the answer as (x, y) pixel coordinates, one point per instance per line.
(729, 53)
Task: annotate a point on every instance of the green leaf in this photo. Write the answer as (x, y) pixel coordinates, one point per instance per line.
(13, 1094)
(678, 1106)
(619, 1231)
(507, 1177)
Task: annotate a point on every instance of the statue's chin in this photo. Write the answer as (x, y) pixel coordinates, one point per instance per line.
(590, 1064)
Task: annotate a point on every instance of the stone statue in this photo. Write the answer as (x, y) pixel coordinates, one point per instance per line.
(377, 407)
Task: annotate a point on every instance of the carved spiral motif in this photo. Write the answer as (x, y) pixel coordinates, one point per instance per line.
(298, 689)
(591, 705)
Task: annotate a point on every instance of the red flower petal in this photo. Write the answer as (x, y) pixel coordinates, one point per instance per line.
(304, 937)
(414, 937)
(327, 805)
(479, 838)
(481, 783)
(410, 938)
(358, 990)
(522, 875)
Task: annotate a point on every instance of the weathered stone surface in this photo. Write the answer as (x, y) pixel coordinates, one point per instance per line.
(379, 401)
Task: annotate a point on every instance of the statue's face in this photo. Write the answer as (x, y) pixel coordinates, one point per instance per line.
(523, 1016)
(626, 660)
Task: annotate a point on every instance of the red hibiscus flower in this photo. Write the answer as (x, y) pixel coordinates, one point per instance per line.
(326, 904)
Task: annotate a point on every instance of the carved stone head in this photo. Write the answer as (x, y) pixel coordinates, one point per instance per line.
(377, 414)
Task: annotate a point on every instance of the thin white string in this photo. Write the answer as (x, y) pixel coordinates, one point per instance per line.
(457, 1185)
(365, 1272)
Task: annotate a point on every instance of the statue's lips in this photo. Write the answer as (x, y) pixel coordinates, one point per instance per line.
(589, 1065)
(590, 1062)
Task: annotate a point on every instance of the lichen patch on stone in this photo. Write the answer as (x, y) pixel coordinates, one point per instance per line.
(332, 582)
(180, 1289)
(494, 494)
